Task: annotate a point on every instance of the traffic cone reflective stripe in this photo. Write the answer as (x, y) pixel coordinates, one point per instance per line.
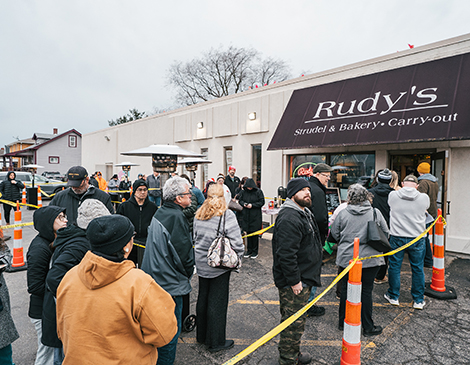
(23, 196)
(351, 349)
(18, 256)
(39, 197)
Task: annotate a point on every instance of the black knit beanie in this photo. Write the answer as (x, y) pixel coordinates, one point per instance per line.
(295, 185)
(109, 234)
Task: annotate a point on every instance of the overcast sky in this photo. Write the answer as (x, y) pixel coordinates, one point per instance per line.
(78, 63)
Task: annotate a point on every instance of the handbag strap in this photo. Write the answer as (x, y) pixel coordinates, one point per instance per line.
(223, 227)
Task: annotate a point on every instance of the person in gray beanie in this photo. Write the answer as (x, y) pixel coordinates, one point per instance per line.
(106, 294)
(70, 246)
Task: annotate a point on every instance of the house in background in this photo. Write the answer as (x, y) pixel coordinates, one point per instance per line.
(55, 152)
(15, 162)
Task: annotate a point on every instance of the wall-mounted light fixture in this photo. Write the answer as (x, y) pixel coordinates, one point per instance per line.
(252, 116)
(107, 138)
(200, 125)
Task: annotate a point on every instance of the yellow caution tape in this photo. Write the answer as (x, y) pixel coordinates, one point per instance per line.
(17, 225)
(14, 204)
(278, 329)
(260, 232)
(136, 244)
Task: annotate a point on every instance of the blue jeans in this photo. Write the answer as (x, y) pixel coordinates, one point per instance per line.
(156, 199)
(312, 294)
(416, 254)
(45, 354)
(167, 353)
(58, 355)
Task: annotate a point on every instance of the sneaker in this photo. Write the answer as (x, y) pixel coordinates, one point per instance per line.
(247, 255)
(419, 305)
(254, 256)
(381, 281)
(374, 331)
(316, 311)
(304, 358)
(391, 301)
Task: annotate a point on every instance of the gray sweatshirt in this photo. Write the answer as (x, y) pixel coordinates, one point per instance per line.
(407, 212)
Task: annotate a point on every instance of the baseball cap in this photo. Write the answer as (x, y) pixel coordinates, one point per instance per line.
(75, 176)
(411, 178)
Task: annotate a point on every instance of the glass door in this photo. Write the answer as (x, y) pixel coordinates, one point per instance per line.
(438, 169)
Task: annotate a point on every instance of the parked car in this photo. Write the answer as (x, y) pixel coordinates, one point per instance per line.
(54, 175)
(48, 186)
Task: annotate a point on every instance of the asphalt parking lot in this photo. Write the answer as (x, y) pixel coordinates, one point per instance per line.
(439, 334)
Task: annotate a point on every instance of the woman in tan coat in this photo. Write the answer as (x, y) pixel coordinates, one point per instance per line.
(109, 312)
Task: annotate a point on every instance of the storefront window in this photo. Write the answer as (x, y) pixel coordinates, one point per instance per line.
(348, 169)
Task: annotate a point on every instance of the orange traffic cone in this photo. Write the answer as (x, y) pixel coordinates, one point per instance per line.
(23, 196)
(39, 197)
(351, 349)
(437, 289)
(18, 263)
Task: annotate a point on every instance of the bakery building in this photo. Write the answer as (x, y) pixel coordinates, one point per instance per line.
(393, 111)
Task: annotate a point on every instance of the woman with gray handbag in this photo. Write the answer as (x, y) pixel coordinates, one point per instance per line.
(212, 221)
(352, 222)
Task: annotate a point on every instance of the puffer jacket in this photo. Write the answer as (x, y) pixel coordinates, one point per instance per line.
(10, 191)
(297, 250)
(39, 257)
(351, 223)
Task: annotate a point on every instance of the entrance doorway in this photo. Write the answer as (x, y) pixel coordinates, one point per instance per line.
(406, 163)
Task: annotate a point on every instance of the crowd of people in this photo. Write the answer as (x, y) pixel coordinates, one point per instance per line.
(136, 262)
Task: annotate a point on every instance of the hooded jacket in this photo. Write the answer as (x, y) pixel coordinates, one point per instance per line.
(169, 254)
(350, 223)
(297, 250)
(10, 191)
(252, 219)
(427, 184)
(380, 192)
(407, 212)
(112, 313)
(319, 207)
(70, 247)
(39, 257)
(71, 201)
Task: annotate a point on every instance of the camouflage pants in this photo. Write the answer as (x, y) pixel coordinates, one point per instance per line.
(289, 342)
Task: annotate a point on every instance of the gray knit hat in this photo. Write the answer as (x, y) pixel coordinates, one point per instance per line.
(384, 176)
(89, 210)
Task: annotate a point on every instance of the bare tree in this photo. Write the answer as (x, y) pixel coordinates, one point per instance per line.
(222, 72)
(133, 114)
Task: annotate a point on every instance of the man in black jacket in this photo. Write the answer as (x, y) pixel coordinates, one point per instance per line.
(297, 259)
(232, 181)
(140, 210)
(80, 189)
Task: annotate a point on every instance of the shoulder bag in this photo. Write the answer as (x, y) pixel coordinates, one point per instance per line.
(376, 238)
(235, 206)
(221, 254)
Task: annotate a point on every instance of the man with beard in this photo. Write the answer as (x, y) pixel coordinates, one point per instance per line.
(297, 258)
(80, 190)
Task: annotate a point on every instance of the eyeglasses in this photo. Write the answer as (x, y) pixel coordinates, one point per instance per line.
(144, 190)
(62, 217)
(325, 175)
(185, 194)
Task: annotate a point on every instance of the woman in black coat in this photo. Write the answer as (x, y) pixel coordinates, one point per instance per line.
(251, 198)
(11, 190)
(47, 221)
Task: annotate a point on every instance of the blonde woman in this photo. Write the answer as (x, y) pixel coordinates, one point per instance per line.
(212, 301)
(394, 184)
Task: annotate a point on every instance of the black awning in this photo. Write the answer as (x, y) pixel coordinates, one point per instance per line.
(424, 102)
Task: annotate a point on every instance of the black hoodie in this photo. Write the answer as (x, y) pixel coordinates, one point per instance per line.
(380, 192)
(39, 257)
(252, 219)
(10, 191)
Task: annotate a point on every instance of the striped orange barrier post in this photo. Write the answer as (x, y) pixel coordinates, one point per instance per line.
(351, 349)
(437, 289)
(23, 196)
(18, 263)
(39, 197)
